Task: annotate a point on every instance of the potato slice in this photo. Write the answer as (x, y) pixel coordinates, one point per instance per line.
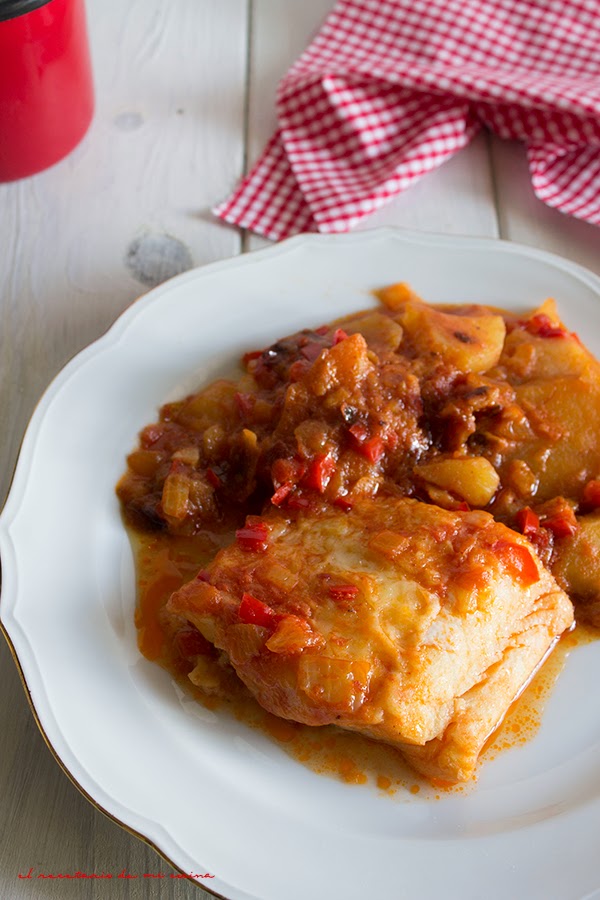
(577, 567)
(380, 332)
(474, 479)
(564, 412)
(547, 357)
(470, 343)
(395, 296)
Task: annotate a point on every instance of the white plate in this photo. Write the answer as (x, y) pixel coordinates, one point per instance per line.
(210, 794)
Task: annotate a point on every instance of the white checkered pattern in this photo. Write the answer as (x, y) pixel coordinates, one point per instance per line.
(389, 89)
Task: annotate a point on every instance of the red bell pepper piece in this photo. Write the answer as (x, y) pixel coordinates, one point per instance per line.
(250, 357)
(254, 537)
(542, 326)
(562, 524)
(359, 432)
(372, 448)
(339, 335)
(320, 472)
(281, 493)
(254, 612)
(296, 502)
(213, 478)
(518, 562)
(527, 521)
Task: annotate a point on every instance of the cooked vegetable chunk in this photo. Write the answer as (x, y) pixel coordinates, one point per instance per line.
(577, 567)
(472, 343)
(473, 479)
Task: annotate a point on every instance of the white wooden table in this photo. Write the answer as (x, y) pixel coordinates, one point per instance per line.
(185, 94)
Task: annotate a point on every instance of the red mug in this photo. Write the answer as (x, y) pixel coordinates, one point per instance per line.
(46, 89)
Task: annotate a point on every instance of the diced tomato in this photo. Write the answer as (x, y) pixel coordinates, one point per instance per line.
(591, 493)
(253, 538)
(282, 493)
(562, 524)
(542, 326)
(320, 472)
(518, 562)
(527, 521)
(343, 503)
(343, 591)
(339, 335)
(254, 612)
(190, 643)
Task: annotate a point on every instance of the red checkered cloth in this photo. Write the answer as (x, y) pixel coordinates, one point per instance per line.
(389, 89)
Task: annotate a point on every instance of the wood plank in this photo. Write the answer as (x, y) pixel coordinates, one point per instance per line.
(525, 219)
(130, 206)
(457, 198)
(81, 241)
